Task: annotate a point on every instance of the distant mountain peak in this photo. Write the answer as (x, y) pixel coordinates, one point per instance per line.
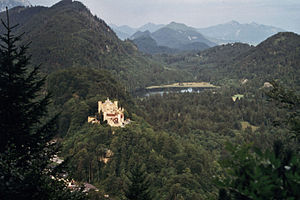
(176, 24)
(233, 31)
(140, 34)
(233, 22)
(179, 26)
(150, 27)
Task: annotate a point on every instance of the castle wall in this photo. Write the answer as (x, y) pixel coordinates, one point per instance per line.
(111, 113)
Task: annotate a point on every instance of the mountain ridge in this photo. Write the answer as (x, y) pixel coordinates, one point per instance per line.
(68, 35)
(176, 36)
(13, 3)
(233, 31)
(125, 31)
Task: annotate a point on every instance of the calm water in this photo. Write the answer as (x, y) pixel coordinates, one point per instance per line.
(178, 90)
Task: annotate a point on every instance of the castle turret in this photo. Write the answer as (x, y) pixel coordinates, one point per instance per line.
(100, 106)
(110, 113)
(116, 103)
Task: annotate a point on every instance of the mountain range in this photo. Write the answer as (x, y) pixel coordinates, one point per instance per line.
(173, 37)
(67, 35)
(13, 3)
(124, 31)
(233, 31)
(230, 32)
(276, 58)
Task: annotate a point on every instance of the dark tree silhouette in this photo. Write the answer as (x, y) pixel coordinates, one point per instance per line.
(25, 129)
(138, 188)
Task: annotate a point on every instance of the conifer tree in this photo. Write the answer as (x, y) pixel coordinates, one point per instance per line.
(25, 130)
(138, 188)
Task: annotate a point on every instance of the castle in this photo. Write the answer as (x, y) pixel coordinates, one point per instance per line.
(111, 113)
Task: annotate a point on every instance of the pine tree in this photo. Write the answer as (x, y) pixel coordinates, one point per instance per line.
(25, 130)
(138, 188)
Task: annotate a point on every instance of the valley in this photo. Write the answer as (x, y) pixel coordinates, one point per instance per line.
(167, 114)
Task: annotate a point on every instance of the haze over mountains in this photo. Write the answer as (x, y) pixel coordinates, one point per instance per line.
(174, 36)
(232, 31)
(125, 31)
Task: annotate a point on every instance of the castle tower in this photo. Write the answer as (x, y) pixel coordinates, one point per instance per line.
(111, 113)
(100, 106)
(116, 103)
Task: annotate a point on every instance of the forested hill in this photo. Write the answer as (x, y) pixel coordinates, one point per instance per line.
(68, 35)
(275, 58)
(64, 35)
(278, 57)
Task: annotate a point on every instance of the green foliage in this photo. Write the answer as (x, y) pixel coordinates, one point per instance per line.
(138, 185)
(26, 130)
(290, 101)
(209, 118)
(271, 174)
(76, 92)
(255, 175)
(148, 45)
(275, 58)
(167, 161)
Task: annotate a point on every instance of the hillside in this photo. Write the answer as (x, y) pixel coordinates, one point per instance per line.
(76, 91)
(207, 65)
(147, 44)
(175, 35)
(119, 32)
(275, 58)
(68, 35)
(124, 31)
(278, 57)
(233, 31)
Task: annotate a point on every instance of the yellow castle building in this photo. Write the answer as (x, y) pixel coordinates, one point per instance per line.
(111, 113)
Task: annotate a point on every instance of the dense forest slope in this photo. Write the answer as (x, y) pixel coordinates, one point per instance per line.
(171, 166)
(147, 44)
(68, 35)
(278, 57)
(275, 58)
(77, 90)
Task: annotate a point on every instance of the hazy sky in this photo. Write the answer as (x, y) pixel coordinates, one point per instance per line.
(197, 13)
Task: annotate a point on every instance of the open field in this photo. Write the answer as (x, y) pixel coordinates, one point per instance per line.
(185, 85)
